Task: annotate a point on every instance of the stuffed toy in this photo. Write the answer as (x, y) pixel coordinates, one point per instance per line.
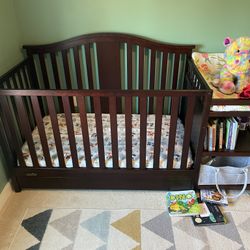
(235, 74)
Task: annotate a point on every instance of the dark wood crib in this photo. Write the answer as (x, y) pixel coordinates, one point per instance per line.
(124, 76)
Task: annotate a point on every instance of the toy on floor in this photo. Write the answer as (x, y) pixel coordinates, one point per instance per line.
(235, 74)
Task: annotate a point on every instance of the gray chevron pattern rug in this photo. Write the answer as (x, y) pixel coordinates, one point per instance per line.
(69, 229)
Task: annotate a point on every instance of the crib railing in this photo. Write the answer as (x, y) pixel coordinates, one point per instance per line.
(18, 77)
(15, 117)
(108, 61)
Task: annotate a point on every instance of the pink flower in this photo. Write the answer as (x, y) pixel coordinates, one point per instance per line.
(245, 92)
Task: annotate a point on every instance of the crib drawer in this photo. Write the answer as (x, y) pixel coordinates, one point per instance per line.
(106, 179)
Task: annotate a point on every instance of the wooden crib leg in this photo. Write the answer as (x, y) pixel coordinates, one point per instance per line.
(15, 184)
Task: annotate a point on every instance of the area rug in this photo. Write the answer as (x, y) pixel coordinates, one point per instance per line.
(69, 229)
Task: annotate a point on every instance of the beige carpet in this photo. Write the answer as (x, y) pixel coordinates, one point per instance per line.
(120, 229)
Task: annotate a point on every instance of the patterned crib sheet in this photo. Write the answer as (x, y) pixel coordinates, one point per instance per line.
(209, 64)
(107, 142)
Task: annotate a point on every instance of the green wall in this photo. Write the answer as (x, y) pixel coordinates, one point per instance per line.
(10, 54)
(204, 23)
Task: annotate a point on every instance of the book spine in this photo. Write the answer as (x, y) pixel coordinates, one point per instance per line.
(213, 136)
(210, 138)
(230, 139)
(221, 128)
(206, 139)
(234, 134)
(229, 134)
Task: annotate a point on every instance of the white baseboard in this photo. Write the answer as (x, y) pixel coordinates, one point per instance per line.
(4, 195)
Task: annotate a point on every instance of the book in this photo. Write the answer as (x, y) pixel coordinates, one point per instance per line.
(182, 203)
(214, 136)
(204, 210)
(221, 135)
(211, 131)
(226, 132)
(210, 136)
(234, 133)
(212, 196)
(215, 217)
(205, 139)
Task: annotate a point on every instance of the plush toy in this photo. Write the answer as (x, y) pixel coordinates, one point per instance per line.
(235, 74)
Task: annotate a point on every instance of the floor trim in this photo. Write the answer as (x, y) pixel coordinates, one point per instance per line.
(4, 195)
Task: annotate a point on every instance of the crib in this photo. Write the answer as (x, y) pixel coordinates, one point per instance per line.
(103, 111)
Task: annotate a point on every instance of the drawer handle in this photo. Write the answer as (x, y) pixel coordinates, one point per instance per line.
(31, 174)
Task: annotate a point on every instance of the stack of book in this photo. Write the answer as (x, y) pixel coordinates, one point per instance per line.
(185, 203)
(221, 134)
(214, 216)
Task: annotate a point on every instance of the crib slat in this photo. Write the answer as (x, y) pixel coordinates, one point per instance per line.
(152, 80)
(26, 129)
(15, 85)
(6, 146)
(55, 70)
(89, 63)
(41, 130)
(25, 78)
(176, 70)
(85, 131)
(32, 73)
(8, 85)
(56, 132)
(6, 128)
(44, 71)
(143, 131)
(99, 130)
(129, 60)
(56, 77)
(4, 85)
(8, 123)
(172, 131)
(70, 129)
(114, 137)
(26, 100)
(78, 68)
(187, 131)
(67, 75)
(89, 72)
(20, 80)
(141, 66)
(158, 126)
(66, 69)
(152, 69)
(164, 70)
(128, 125)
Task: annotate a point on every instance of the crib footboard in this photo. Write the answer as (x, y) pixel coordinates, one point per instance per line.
(53, 144)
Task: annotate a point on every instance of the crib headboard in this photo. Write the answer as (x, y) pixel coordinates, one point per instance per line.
(108, 61)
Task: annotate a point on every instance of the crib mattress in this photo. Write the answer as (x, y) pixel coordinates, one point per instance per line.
(209, 65)
(107, 142)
